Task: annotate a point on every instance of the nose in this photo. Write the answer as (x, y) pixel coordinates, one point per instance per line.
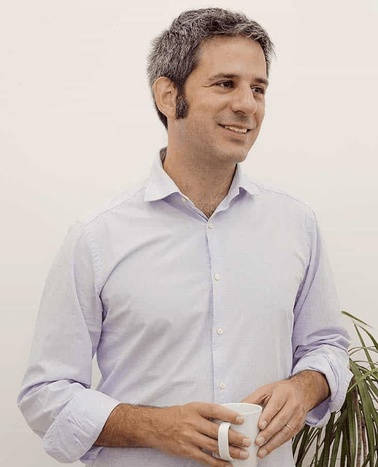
(244, 101)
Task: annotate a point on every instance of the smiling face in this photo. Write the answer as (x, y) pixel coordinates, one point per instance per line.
(226, 98)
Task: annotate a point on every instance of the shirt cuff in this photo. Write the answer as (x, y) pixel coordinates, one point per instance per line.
(338, 382)
(78, 425)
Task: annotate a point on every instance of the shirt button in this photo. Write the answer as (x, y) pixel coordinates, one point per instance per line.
(219, 331)
(184, 199)
(217, 277)
(222, 385)
(210, 225)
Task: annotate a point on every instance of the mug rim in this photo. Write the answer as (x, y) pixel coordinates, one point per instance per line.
(251, 408)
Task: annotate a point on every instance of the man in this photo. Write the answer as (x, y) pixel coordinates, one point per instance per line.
(199, 285)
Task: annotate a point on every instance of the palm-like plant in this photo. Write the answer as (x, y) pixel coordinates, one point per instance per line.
(351, 434)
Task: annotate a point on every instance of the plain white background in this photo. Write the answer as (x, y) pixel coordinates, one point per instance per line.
(77, 125)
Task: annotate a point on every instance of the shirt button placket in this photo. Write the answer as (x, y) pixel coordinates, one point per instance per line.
(220, 392)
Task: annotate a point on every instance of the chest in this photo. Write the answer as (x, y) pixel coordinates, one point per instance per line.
(188, 270)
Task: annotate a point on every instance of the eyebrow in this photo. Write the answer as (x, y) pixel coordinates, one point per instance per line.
(233, 76)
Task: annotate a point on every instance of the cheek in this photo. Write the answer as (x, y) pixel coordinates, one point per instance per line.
(261, 113)
(201, 122)
(195, 131)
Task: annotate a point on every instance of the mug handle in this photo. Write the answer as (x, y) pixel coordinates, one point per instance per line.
(223, 444)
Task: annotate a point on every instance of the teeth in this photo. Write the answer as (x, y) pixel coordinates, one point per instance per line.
(237, 130)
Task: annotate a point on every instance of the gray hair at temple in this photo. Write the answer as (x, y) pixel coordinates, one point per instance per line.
(176, 51)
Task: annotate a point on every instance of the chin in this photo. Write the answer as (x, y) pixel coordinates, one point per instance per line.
(238, 156)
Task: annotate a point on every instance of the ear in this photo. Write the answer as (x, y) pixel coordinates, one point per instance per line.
(165, 93)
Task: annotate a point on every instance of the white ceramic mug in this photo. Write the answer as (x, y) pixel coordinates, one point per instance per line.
(251, 414)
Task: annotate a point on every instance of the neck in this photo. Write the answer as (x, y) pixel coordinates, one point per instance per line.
(206, 185)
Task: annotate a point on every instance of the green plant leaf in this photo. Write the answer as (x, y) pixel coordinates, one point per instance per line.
(364, 347)
(374, 341)
(346, 313)
(335, 448)
(367, 409)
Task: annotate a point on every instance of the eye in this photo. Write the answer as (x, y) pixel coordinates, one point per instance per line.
(258, 90)
(225, 84)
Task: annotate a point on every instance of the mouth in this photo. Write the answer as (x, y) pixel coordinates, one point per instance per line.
(236, 129)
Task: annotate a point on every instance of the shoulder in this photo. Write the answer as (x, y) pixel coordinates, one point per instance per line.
(133, 194)
(101, 218)
(283, 206)
(272, 195)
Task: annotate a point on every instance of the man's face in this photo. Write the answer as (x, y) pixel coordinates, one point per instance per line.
(226, 98)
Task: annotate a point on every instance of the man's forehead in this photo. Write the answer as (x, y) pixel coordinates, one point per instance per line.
(218, 53)
(215, 44)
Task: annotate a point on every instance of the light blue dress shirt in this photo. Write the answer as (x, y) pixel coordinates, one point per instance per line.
(180, 308)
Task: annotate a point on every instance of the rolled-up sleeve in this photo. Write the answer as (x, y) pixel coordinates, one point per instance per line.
(320, 342)
(56, 398)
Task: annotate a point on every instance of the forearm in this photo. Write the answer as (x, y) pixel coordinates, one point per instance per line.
(129, 426)
(313, 386)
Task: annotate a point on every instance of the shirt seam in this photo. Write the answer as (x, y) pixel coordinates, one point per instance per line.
(308, 233)
(95, 257)
(94, 217)
(279, 192)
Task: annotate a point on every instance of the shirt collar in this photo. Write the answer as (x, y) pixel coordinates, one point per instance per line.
(160, 185)
(242, 181)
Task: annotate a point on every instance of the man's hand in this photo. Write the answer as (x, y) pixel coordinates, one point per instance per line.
(183, 430)
(188, 431)
(286, 404)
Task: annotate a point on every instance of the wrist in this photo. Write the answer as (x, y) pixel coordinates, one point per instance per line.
(147, 423)
(313, 387)
(143, 425)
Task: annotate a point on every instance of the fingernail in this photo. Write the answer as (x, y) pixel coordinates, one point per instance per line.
(263, 453)
(263, 424)
(246, 442)
(240, 419)
(244, 454)
(260, 441)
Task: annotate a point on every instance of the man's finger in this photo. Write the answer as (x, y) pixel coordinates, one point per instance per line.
(215, 411)
(207, 459)
(274, 405)
(280, 437)
(211, 445)
(210, 429)
(275, 426)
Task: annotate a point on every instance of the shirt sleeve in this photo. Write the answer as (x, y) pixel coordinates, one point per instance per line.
(320, 342)
(56, 398)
